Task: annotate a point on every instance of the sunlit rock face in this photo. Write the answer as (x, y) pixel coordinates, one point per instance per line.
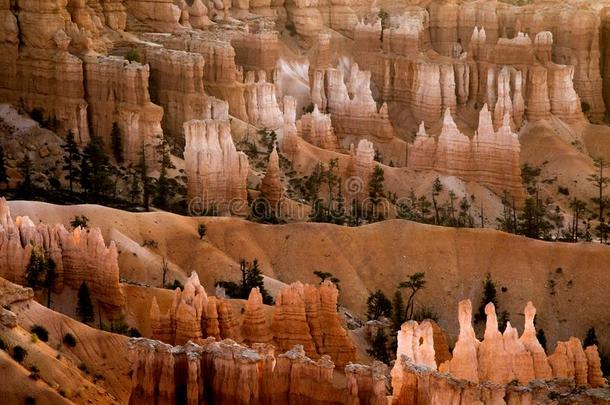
(226, 372)
(304, 315)
(354, 113)
(503, 367)
(216, 171)
(490, 157)
(80, 256)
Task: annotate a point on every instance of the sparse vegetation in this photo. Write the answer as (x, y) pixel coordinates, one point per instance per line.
(69, 340)
(41, 332)
(201, 230)
(414, 283)
(84, 306)
(379, 347)
(378, 305)
(251, 277)
(133, 56)
(80, 221)
(19, 353)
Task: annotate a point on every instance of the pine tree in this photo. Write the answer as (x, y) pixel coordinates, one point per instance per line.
(72, 158)
(591, 338)
(415, 282)
(601, 181)
(378, 305)
(490, 294)
(95, 168)
(135, 189)
(117, 142)
(50, 277)
(3, 174)
(164, 191)
(25, 168)
(145, 180)
(36, 269)
(379, 347)
(437, 187)
(398, 310)
(84, 307)
(40, 272)
(376, 194)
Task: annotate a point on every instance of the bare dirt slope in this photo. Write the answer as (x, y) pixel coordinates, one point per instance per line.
(567, 282)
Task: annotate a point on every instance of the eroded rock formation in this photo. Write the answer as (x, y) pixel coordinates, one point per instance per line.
(304, 315)
(487, 370)
(354, 112)
(79, 255)
(216, 171)
(491, 158)
(226, 372)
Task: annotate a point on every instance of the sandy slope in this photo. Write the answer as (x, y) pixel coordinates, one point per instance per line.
(101, 352)
(569, 300)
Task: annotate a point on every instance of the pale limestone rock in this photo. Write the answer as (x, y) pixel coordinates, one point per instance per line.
(176, 84)
(261, 103)
(216, 171)
(542, 370)
(493, 360)
(521, 361)
(359, 170)
(316, 128)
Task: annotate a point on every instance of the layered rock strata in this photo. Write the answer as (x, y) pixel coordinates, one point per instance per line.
(80, 256)
(354, 112)
(216, 171)
(502, 366)
(490, 158)
(228, 373)
(304, 315)
(117, 93)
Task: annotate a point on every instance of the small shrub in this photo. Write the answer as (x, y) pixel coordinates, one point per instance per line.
(291, 28)
(63, 393)
(133, 332)
(19, 353)
(97, 377)
(201, 230)
(69, 340)
(174, 285)
(563, 190)
(41, 332)
(133, 56)
(83, 367)
(34, 373)
(34, 338)
(80, 220)
(309, 108)
(30, 400)
(150, 243)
